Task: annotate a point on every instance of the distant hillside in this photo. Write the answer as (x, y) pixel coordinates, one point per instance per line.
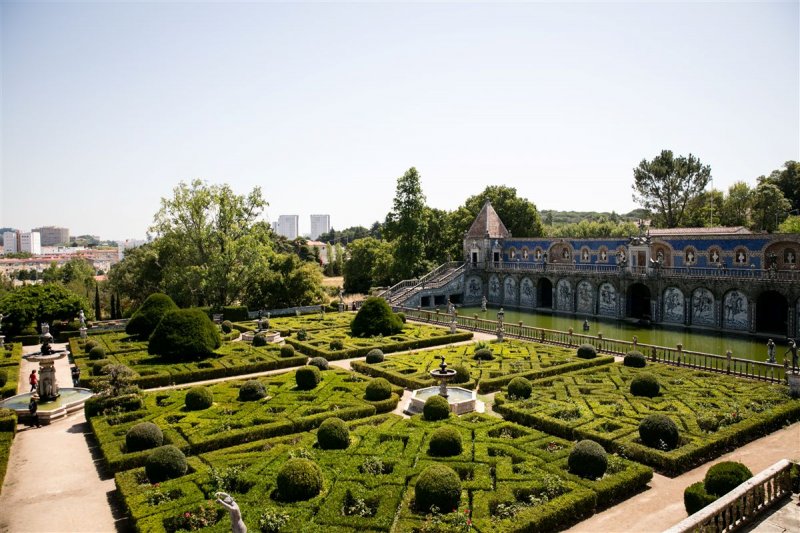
(557, 218)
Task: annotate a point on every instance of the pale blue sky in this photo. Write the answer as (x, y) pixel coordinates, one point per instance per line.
(107, 106)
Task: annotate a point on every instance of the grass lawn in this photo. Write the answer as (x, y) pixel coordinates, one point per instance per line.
(713, 412)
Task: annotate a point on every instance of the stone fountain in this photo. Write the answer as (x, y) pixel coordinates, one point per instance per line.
(443, 374)
(47, 357)
(461, 400)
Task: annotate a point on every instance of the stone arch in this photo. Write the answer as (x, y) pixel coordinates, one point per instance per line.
(784, 254)
(607, 299)
(585, 298)
(714, 257)
(735, 310)
(741, 256)
(560, 252)
(494, 288)
(586, 255)
(674, 305)
(512, 253)
(544, 293)
(602, 254)
(564, 298)
(662, 251)
(525, 253)
(527, 293)
(772, 313)
(639, 297)
(703, 307)
(510, 290)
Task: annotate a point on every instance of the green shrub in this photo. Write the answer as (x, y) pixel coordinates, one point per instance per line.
(3, 378)
(91, 343)
(299, 479)
(375, 318)
(143, 436)
(587, 351)
(287, 350)
(333, 434)
(235, 313)
(227, 326)
(695, 497)
(402, 317)
(336, 344)
(588, 459)
(259, 339)
(272, 521)
(462, 374)
(645, 385)
(184, 333)
(445, 442)
(198, 398)
(436, 408)
(439, 486)
(635, 359)
(302, 335)
(319, 362)
(484, 354)
(374, 356)
(378, 389)
(252, 390)
(166, 462)
(144, 321)
(725, 476)
(520, 387)
(659, 431)
(307, 377)
(97, 353)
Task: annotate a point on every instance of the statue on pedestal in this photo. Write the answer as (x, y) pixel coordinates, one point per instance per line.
(237, 524)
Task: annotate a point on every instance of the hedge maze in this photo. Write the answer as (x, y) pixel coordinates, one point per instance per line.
(506, 471)
(713, 412)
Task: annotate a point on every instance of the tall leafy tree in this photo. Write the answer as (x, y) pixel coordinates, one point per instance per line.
(138, 275)
(98, 315)
(788, 181)
(770, 207)
(705, 209)
(737, 205)
(667, 184)
(368, 264)
(406, 224)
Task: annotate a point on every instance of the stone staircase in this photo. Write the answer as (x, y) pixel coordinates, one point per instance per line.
(437, 279)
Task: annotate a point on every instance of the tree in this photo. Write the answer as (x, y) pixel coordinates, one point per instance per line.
(406, 224)
(704, 210)
(138, 275)
(790, 225)
(788, 181)
(360, 268)
(97, 311)
(667, 184)
(39, 303)
(737, 205)
(770, 207)
(288, 282)
(113, 307)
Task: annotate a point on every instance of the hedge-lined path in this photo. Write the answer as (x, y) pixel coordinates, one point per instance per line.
(54, 483)
(661, 507)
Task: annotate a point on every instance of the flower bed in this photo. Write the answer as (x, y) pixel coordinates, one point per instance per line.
(514, 476)
(10, 358)
(231, 421)
(714, 413)
(231, 359)
(511, 359)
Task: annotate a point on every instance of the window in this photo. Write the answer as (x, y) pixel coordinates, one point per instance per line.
(689, 256)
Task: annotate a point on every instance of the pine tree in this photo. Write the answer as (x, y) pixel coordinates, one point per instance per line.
(97, 315)
(119, 307)
(113, 307)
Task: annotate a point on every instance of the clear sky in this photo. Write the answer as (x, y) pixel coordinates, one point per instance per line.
(106, 106)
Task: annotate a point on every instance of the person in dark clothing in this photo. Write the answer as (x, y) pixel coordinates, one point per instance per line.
(33, 407)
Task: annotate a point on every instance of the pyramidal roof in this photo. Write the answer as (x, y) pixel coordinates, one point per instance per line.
(488, 224)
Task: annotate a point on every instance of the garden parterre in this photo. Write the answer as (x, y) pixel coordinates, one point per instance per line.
(230, 421)
(713, 412)
(10, 358)
(513, 478)
(511, 358)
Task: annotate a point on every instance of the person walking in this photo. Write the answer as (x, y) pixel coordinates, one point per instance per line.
(33, 379)
(33, 407)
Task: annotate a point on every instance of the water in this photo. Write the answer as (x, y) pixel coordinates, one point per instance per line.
(453, 395)
(714, 343)
(68, 395)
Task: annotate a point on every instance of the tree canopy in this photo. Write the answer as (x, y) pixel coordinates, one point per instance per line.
(34, 304)
(406, 224)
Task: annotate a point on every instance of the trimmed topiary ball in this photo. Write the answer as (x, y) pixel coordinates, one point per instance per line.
(319, 362)
(307, 377)
(375, 318)
(484, 354)
(97, 353)
(587, 351)
(252, 390)
(299, 479)
(287, 350)
(725, 476)
(436, 408)
(635, 359)
(143, 436)
(333, 434)
(302, 335)
(462, 374)
(588, 459)
(144, 321)
(445, 442)
(89, 345)
(520, 388)
(645, 385)
(336, 344)
(184, 334)
(166, 462)
(659, 431)
(374, 356)
(439, 486)
(378, 389)
(227, 326)
(198, 398)
(259, 340)
(695, 497)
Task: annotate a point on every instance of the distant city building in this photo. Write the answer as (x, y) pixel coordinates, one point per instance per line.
(127, 245)
(10, 242)
(319, 224)
(52, 235)
(288, 226)
(18, 241)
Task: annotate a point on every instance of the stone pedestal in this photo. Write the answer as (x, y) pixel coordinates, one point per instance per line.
(2, 340)
(48, 387)
(794, 385)
(341, 307)
(500, 334)
(83, 332)
(453, 328)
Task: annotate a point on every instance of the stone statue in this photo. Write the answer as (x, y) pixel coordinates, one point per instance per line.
(1, 322)
(237, 524)
(341, 296)
(82, 318)
(793, 350)
(483, 304)
(770, 351)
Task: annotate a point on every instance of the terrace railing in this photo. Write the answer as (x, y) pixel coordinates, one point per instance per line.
(436, 278)
(677, 356)
(737, 508)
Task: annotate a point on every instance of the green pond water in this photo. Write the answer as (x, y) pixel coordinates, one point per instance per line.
(67, 395)
(742, 347)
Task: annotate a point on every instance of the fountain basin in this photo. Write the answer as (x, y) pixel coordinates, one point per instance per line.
(461, 400)
(70, 400)
(272, 337)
